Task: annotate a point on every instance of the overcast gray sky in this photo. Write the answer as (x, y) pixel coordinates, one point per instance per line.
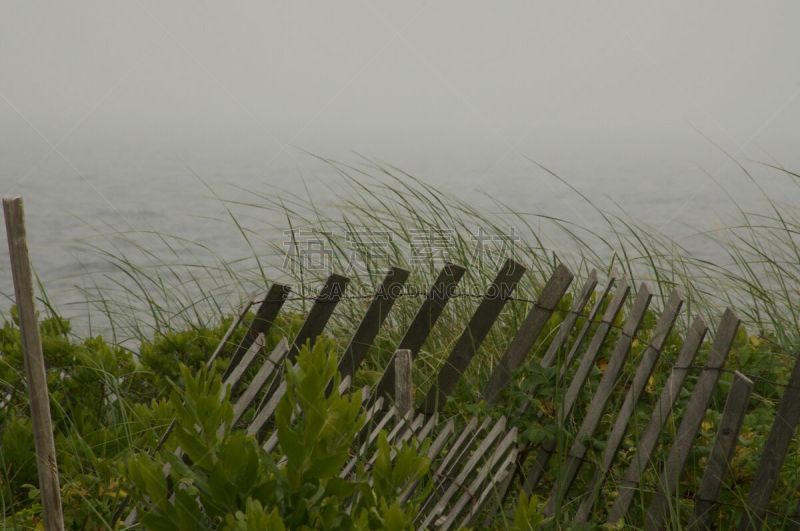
(405, 81)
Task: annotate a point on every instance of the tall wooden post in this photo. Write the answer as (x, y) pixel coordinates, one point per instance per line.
(46, 464)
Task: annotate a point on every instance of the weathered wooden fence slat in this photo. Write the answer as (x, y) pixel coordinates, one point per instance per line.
(766, 478)
(590, 356)
(319, 314)
(457, 452)
(528, 332)
(423, 322)
(496, 487)
(466, 470)
(498, 293)
(384, 298)
(600, 399)
(661, 414)
(506, 447)
(538, 468)
(269, 368)
(725, 443)
(587, 325)
(564, 330)
(645, 369)
(435, 449)
(237, 372)
(691, 420)
(235, 324)
(566, 326)
(262, 322)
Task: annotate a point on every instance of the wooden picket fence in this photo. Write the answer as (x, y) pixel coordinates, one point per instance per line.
(478, 462)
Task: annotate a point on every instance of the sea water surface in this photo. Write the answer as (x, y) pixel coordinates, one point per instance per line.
(111, 198)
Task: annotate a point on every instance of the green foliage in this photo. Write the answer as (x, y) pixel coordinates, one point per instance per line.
(226, 479)
(528, 515)
(105, 405)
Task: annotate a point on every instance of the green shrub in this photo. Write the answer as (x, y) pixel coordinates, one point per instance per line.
(238, 485)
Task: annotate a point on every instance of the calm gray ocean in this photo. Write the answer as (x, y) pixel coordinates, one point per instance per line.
(107, 200)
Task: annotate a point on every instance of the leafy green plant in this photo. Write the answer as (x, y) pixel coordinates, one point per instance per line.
(224, 478)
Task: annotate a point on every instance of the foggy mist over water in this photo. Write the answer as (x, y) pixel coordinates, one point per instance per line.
(114, 115)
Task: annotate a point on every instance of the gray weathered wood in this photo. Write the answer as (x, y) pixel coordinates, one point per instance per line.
(319, 314)
(234, 376)
(373, 435)
(505, 451)
(600, 399)
(465, 472)
(422, 324)
(505, 470)
(258, 425)
(780, 436)
(587, 325)
(468, 434)
(539, 466)
(661, 413)
(643, 372)
(691, 421)
(528, 332)
(235, 324)
(461, 355)
(565, 329)
(436, 447)
(35, 371)
(566, 326)
(724, 445)
(428, 428)
(262, 322)
(385, 296)
(267, 369)
(404, 384)
(325, 303)
(589, 358)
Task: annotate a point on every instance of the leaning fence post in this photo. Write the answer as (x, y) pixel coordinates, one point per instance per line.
(403, 391)
(46, 464)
